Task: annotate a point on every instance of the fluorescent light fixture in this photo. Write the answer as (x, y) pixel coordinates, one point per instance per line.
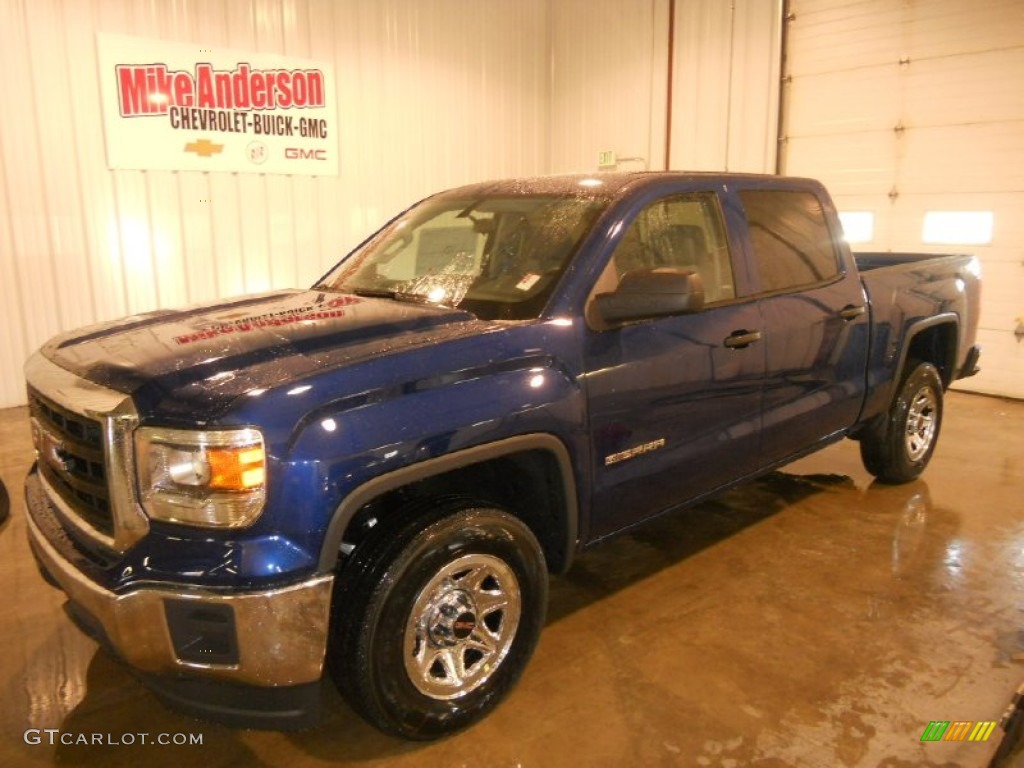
(858, 226)
(958, 227)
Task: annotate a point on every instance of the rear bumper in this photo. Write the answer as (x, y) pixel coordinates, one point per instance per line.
(210, 653)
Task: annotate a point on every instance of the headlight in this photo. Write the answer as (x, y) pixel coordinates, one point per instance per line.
(213, 478)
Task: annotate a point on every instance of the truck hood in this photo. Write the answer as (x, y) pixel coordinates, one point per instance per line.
(192, 363)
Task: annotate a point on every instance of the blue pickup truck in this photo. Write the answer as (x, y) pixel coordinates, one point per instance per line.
(371, 480)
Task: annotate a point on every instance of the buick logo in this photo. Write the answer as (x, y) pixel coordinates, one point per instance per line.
(257, 152)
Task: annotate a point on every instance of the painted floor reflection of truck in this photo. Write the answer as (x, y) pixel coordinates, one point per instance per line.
(373, 479)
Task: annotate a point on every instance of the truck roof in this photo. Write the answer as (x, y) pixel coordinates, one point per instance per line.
(603, 184)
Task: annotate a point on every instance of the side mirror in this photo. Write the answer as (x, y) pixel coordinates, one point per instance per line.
(647, 293)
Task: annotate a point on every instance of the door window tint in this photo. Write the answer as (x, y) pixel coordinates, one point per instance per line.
(792, 243)
(683, 232)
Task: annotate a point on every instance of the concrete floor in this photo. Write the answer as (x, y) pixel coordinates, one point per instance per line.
(808, 619)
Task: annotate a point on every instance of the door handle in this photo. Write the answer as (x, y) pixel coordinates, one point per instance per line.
(742, 339)
(852, 312)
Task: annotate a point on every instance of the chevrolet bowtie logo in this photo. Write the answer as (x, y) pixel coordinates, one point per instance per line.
(204, 148)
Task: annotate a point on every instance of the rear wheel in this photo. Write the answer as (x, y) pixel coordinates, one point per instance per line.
(898, 449)
(435, 619)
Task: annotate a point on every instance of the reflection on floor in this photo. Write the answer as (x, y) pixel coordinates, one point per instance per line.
(811, 618)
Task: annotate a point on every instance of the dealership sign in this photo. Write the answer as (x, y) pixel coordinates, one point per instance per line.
(179, 107)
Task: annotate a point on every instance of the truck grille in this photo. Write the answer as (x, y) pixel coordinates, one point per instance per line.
(72, 460)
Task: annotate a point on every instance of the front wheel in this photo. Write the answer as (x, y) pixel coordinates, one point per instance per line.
(435, 619)
(898, 450)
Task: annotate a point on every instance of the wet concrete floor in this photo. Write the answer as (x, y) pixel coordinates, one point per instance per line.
(811, 618)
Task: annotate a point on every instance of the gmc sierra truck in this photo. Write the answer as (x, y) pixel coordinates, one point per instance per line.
(372, 480)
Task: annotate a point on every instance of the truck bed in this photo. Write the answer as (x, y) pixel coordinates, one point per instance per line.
(906, 290)
(869, 261)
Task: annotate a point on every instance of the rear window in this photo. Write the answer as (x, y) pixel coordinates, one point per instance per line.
(792, 243)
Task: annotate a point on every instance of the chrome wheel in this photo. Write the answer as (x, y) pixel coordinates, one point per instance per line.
(461, 626)
(922, 419)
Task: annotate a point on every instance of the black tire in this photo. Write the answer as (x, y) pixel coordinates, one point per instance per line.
(436, 617)
(899, 448)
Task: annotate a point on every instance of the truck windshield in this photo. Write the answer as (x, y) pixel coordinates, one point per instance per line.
(498, 257)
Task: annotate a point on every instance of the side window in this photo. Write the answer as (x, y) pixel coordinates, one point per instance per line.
(682, 232)
(791, 240)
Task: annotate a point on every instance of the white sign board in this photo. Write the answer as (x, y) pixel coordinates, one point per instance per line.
(180, 107)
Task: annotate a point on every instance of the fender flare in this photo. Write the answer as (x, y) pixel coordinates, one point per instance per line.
(946, 318)
(372, 489)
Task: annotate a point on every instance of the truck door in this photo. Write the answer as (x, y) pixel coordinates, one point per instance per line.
(674, 402)
(815, 321)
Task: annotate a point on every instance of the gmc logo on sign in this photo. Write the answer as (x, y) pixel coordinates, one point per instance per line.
(294, 153)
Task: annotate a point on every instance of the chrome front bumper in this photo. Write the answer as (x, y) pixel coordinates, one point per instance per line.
(281, 633)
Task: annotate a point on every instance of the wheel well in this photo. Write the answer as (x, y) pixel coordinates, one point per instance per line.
(528, 484)
(936, 345)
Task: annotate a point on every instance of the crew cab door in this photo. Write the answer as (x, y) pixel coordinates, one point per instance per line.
(814, 318)
(674, 401)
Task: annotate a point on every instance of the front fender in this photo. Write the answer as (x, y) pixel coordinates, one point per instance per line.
(423, 470)
(435, 427)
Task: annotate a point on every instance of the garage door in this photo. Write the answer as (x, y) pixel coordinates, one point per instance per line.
(912, 112)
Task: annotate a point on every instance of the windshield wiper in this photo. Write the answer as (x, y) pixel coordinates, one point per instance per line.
(384, 293)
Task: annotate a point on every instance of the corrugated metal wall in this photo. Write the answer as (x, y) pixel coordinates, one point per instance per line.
(609, 66)
(725, 105)
(431, 93)
(610, 84)
(908, 107)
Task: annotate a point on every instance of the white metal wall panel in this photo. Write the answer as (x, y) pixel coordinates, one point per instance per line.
(908, 107)
(727, 64)
(754, 86)
(431, 93)
(701, 85)
(609, 86)
(608, 82)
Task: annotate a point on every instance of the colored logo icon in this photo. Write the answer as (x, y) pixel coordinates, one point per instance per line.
(958, 730)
